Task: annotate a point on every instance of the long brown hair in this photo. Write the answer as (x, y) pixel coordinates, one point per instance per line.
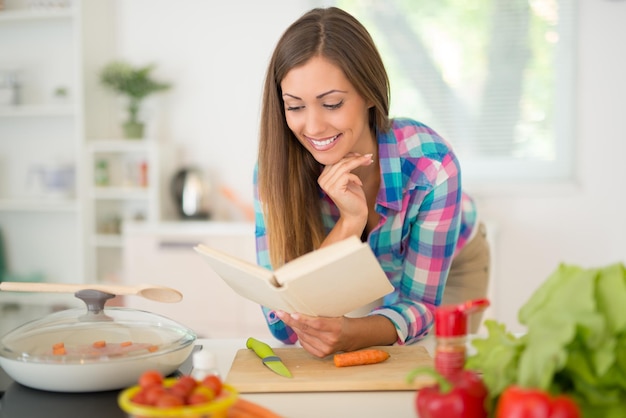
(287, 172)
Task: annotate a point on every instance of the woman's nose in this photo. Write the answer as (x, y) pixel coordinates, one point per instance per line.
(315, 123)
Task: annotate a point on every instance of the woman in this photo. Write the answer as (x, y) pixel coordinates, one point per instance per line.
(333, 164)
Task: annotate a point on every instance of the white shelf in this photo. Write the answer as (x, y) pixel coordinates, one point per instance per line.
(38, 205)
(121, 199)
(36, 111)
(44, 232)
(26, 15)
(120, 193)
(120, 145)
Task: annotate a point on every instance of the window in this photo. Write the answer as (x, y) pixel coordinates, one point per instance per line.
(494, 77)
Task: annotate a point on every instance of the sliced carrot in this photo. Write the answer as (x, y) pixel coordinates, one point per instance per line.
(58, 345)
(99, 344)
(153, 348)
(246, 409)
(59, 351)
(360, 357)
(126, 344)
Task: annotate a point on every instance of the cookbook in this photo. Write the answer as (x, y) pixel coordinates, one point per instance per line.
(331, 281)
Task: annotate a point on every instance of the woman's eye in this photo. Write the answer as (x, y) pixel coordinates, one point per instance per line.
(334, 106)
(293, 108)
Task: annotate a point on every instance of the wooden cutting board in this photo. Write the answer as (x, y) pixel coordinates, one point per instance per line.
(311, 374)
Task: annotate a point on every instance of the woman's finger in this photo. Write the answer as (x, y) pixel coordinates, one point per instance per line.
(345, 165)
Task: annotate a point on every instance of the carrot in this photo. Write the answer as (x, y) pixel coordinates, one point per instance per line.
(59, 351)
(153, 348)
(357, 358)
(126, 344)
(246, 409)
(99, 344)
(58, 345)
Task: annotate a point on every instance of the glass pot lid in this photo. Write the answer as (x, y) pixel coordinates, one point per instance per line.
(76, 336)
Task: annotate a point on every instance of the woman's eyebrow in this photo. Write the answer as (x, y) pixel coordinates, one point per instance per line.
(292, 96)
(330, 92)
(319, 96)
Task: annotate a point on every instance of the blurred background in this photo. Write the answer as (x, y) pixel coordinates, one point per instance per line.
(530, 94)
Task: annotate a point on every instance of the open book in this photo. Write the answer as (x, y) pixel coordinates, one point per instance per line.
(331, 281)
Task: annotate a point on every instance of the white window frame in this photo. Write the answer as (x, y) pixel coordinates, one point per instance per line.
(501, 175)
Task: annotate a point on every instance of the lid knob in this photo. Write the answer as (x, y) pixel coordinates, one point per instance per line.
(95, 301)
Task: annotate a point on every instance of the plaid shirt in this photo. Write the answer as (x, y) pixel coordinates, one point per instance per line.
(425, 219)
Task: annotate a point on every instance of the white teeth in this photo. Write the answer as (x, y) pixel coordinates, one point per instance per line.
(324, 142)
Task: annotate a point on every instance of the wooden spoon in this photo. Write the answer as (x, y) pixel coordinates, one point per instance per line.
(156, 293)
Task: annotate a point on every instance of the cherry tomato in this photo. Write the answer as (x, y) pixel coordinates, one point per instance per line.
(140, 398)
(214, 383)
(197, 398)
(150, 378)
(153, 393)
(184, 386)
(169, 400)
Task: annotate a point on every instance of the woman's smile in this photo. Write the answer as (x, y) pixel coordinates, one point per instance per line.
(323, 144)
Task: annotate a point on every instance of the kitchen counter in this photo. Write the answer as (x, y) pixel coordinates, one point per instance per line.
(397, 404)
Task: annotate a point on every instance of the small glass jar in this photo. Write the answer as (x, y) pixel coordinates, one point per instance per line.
(204, 365)
(451, 335)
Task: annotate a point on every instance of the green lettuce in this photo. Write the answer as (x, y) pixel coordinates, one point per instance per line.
(575, 341)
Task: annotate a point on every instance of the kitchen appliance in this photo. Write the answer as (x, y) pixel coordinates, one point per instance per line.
(95, 350)
(190, 192)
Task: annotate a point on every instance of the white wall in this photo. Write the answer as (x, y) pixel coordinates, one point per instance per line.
(216, 54)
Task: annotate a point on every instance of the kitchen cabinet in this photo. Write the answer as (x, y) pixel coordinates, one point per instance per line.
(41, 125)
(122, 185)
(163, 254)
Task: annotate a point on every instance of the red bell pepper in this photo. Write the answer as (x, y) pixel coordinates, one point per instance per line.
(517, 402)
(463, 395)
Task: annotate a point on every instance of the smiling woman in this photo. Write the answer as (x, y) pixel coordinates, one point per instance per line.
(333, 164)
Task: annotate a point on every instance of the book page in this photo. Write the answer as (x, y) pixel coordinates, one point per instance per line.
(248, 280)
(251, 269)
(313, 260)
(334, 283)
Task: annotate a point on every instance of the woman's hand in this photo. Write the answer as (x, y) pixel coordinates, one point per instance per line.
(346, 189)
(322, 336)
(319, 336)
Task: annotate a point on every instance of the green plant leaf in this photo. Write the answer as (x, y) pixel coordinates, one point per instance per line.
(611, 296)
(134, 82)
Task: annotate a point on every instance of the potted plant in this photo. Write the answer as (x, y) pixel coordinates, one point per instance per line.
(136, 84)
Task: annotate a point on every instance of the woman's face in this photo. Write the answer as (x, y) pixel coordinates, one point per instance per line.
(325, 112)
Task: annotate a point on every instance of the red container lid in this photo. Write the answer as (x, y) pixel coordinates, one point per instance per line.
(451, 320)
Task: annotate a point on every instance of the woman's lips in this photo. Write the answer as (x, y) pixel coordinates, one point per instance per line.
(323, 144)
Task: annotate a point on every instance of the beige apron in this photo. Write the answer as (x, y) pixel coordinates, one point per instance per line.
(469, 275)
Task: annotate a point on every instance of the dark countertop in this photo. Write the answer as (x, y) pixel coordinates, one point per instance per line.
(5, 381)
(19, 401)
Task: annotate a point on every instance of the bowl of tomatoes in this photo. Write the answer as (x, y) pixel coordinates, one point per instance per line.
(155, 396)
